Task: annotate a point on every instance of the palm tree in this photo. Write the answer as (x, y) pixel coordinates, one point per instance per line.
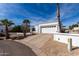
(78, 24)
(26, 25)
(6, 23)
(70, 27)
(58, 16)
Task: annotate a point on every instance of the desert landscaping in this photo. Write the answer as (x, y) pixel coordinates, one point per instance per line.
(31, 30)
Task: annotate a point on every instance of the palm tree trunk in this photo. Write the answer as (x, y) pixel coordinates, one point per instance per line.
(24, 33)
(58, 16)
(6, 32)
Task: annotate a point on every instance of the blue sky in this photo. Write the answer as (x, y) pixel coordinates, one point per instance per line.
(39, 13)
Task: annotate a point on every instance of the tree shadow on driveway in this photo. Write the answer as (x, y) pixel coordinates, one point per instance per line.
(12, 48)
(75, 48)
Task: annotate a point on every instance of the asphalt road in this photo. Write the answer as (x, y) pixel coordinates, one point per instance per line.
(12, 48)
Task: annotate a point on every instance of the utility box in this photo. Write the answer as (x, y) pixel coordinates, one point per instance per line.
(69, 44)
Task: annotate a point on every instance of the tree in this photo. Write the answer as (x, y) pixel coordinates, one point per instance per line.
(78, 24)
(58, 16)
(70, 27)
(6, 23)
(26, 26)
(17, 28)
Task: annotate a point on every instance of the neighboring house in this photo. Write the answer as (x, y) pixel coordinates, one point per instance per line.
(1, 29)
(47, 28)
(75, 30)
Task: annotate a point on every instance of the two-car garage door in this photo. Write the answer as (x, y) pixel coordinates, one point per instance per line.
(48, 29)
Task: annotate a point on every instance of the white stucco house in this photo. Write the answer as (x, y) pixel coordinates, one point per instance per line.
(47, 28)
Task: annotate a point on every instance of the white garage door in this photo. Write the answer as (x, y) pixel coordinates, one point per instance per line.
(48, 30)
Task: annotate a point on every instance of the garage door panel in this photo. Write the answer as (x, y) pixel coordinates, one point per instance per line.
(48, 30)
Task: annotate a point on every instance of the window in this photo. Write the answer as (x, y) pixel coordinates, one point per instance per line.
(48, 26)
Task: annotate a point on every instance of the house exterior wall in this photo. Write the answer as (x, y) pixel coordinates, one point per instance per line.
(63, 38)
(36, 29)
(2, 29)
(47, 28)
(76, 28)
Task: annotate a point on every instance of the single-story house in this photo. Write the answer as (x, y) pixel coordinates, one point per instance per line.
(75, 30)
(47, 28)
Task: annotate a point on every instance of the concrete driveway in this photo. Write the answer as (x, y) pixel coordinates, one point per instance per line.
(36, 42)
(12, 48)
(44, 45)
